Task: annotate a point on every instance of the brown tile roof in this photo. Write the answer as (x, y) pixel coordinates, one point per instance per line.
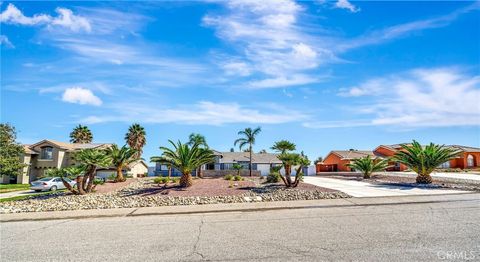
(69, 146)
(353, 154)
(28, 150)
(257, 158)
(456, 147)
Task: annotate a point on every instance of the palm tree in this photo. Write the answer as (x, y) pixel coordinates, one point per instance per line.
(237, 167)
(90, 160)
(202, 143)
(184, 158)
(283, 146)
(424, 160)
(81, 135)
(248, 139)
(367, 165)
(136, 138)
(121, 158)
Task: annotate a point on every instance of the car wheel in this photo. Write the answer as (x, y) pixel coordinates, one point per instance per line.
(53, 188)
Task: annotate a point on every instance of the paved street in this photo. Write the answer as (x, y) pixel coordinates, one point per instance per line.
(401, 232)
(364, 189)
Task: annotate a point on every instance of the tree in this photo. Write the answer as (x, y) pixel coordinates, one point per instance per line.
(202, 143)
(232, 150)
(367, 165)
(121, 158)
(184, 158)
(318, 160)
(283, 146)
(424, 160)
(290, 160)
(88, 160)
(263, 151)
(10, 151)
(248, 138)
(81, 135)
(237, 167)
(136, 138)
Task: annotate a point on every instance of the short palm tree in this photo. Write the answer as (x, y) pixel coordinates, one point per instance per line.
(424, 160)
(367, 165)
(90, 160)
(121, 158)
(202, 143)
(184, 158)
(136, 138)
(81, 135)
(283, 146)
(288, 161)
(248, 138)
(237, 167)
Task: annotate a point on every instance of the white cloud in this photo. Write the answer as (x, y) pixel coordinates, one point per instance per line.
(202, 113)
(417, 98)
(4, 41)
(345, 4)
(80, 95)
(237, 68)
(65, 18)
(283, 81)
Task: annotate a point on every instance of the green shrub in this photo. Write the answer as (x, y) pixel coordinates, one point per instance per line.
(228, 177)
(238, 178)
(98, 181)
(112, 177)
(175, 179)
(161, 180)
(273, 177)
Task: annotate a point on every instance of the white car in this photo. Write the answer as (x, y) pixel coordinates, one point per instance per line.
(50, 183)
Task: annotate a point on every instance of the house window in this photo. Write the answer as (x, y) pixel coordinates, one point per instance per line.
(470, 161)
(47, 153)
(445, 165)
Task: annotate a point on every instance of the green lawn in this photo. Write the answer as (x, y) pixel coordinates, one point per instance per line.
(5, 188)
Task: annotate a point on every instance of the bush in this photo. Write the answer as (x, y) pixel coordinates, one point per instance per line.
(112, 177)
(175, 179)
(98, 181)
(238, 178)
(161, 180)
(228, 177)
(273, 177)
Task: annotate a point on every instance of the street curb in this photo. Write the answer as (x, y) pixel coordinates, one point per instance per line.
(240, 207)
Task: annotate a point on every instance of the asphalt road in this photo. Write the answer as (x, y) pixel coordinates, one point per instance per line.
(444, 231)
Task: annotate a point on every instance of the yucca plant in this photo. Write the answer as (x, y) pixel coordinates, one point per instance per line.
(184, 158)
(237, 167)
(424, 160)
(367, 165)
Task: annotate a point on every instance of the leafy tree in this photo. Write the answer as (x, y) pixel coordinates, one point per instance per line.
(249, 136)
(424, 160)
(202, 143)
(81, 135)
(232, 150)
(367, 165)
(88, 160)
(10, 151)
(290, 160)
(318, 160)
(121, 158)
(184, 158)
(237, 167)
(136, 138)
(263, 151)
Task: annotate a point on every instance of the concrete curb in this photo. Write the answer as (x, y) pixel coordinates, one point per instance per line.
(238, 207)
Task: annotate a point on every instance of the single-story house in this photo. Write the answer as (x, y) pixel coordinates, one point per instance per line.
(338, 160)
(137, 169)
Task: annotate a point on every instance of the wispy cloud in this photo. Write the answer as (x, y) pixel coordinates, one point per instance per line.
(4, 41)
(201, 113)
(345, 4)
(417, 98)
(80, 95)
(65, 18)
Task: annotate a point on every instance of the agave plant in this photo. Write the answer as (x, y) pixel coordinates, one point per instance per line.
(424, 160)
(249, 136)
(121, 158)
(81, 135)
(367, 165)
(184, 158)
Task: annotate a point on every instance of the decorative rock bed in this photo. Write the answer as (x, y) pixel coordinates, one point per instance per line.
(126, 198)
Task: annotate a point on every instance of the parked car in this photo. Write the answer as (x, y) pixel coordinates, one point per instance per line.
(50, 183)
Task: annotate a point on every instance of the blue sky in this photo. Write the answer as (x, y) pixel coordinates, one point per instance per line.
(323, 74)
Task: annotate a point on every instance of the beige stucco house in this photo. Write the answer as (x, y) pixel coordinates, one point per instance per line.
(49, 154)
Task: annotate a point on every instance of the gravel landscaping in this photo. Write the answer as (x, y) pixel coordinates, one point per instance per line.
(144, 193)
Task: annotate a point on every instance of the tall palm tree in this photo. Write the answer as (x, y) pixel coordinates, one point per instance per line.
(248, 138)
(81, 135)
(424, 160)
(90, 160)
(136, 138)
(184, 158)
(202, 143)
(121, 158)
(367, 165)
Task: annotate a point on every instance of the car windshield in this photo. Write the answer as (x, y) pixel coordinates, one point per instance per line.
(45, 179)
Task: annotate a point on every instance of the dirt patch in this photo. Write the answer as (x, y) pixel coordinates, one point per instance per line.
(111, 186)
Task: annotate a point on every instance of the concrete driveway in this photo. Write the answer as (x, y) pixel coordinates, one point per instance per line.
(364, 189)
